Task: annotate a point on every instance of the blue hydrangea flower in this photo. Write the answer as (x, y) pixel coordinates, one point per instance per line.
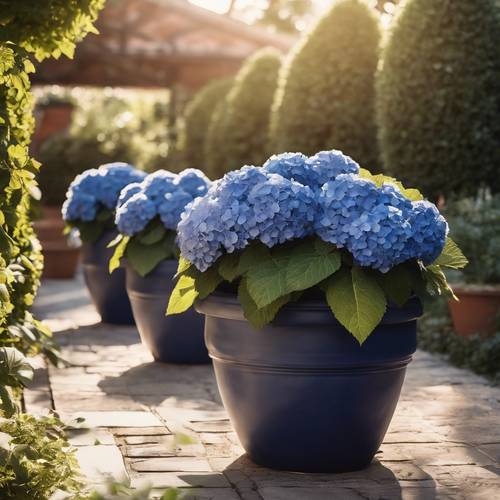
(327, 165)
(378, 226)
(98, 188)
(162, 194)
(323, 167)
(193, 181)
(245, 205)
(127, 192)
(429, 231)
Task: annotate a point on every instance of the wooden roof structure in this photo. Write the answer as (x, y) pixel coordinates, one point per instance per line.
(159, 43)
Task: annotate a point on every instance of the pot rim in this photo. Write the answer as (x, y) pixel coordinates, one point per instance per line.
(477, 290)
(226, 306)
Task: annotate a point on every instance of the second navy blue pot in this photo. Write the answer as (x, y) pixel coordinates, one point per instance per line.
(106, 290)
(171, 339)
(301, 393)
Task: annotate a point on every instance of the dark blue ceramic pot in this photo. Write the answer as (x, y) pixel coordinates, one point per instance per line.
(302, 394)
(106, 290)
(171, 339)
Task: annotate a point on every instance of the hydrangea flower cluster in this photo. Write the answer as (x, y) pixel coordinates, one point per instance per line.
(293, 196)
(162, 194)
(248, 204)
(98, 188)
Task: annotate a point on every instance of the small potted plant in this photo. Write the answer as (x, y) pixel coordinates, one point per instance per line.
(147, 217)
(475, 226)
(309, 273)
(89, 211)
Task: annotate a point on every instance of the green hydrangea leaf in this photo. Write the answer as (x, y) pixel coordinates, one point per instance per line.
(357, 301)
(267, 281)
(253, 256)
(207, 282)
(309, 264)
(144, 258)
(437, 284)
(183, 266)
(258, 317)
(153, 235)
(114, 262)
(451, 256)
(396, 284)
(229, 266)
(183, 296)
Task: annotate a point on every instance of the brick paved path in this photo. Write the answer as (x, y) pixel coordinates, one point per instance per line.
(444, 441)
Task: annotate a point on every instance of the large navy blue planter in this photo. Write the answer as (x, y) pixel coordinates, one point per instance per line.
(302, 394)
(106, 290)
(171, 339)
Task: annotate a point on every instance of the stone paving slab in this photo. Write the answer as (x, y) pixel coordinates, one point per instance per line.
(444, 440)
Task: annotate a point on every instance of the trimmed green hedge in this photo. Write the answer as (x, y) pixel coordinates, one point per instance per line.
(197, 117)
(246, 126)
(439, 96)
(214, 147)
(326, 92)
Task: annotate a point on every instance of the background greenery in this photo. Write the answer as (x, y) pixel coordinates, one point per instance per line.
(195, 122)
(245, 123)
(108, 125)
(326, 94)
(439, 96)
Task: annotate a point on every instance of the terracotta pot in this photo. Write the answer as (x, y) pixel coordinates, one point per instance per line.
(51, 119)
(477, 311)
(60, 260)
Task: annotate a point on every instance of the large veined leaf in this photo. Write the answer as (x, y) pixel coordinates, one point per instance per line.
(380, 179)
(396, 284)
(229, 266)
(258, 317)
(267, 281)
(153, 235)
(309, 264)
(437, 284)
(183, 296)
(183, 266)
(253, 256)
(114, 262)
(357, 301)
(451, 256)
(144, 258)
(207, 282)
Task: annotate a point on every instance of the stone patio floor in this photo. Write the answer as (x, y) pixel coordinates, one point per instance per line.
(444, 440)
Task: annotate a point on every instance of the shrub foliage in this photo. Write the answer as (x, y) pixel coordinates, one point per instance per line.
(325, 97)
(197, 117)
(246, 125)
(439, 96)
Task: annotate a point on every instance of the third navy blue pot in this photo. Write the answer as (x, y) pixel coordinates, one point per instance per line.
(106, 290)
(301, 393)
(171, 339)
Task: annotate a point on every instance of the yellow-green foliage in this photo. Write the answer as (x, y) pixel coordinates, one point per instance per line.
(26, 28)
(246, 125)
(196, 121)
(325, 97)
(439, 96)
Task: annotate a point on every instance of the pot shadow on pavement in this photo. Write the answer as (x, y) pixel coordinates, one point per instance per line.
(156, 384)
(376, 482)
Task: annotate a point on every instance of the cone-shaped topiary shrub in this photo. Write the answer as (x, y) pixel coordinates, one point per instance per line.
(249, 103)
(439, 96)
(326, 91)
(196, 120)
(215, 147)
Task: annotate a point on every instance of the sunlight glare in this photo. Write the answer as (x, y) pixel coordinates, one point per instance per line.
(219, 6)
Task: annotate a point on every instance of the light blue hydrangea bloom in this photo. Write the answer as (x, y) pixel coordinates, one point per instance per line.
(162, 194)
(378, 226)
(293, 196)
(98, 188)
(314, 171)
(245, 205)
